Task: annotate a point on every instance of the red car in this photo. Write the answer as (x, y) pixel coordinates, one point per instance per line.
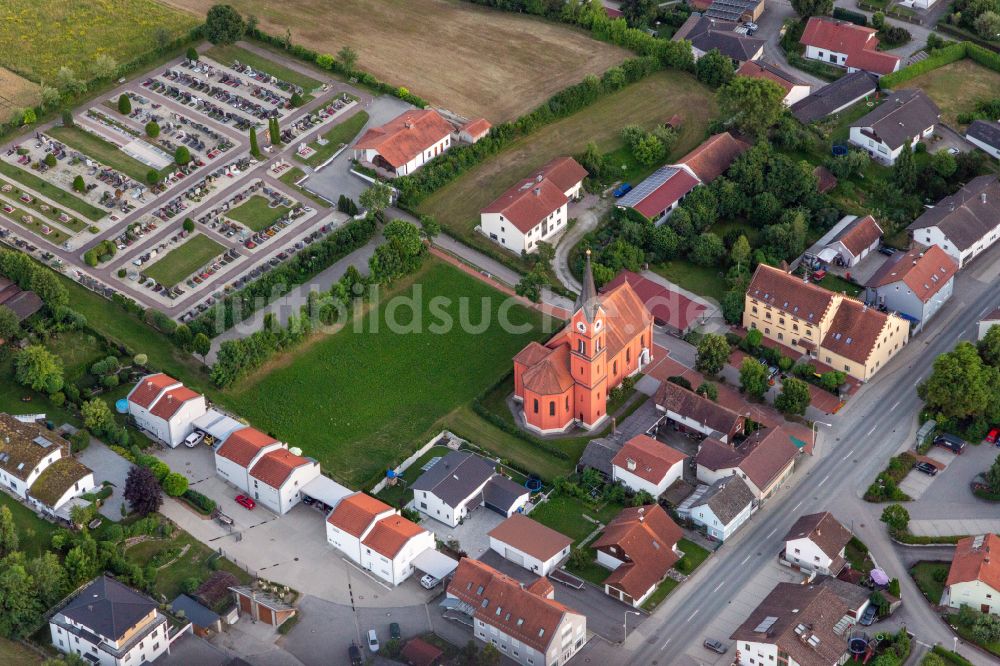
(245, 501)
(993, 436)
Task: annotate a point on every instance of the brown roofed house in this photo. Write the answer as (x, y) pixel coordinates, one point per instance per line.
(646, 464)
(696, 413)
(855, 241)
(817, 542)
(915, 283)
(530, 544)
(405, 143)
(965, 223)
(714, 156)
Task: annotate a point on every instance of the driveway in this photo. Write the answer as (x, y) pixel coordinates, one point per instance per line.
(588, 213)
(472, 534)
(107, 466)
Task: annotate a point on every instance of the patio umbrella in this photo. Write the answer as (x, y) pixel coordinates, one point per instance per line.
(879, 577)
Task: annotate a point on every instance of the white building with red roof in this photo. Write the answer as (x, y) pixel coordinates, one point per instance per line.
(915, 283)
(845, 44)
(406, 142)
(474, 130)
(646, 464)
(795, 88)
(165, 408)
(536, 208)
(277, 478)
(974, 577)
(239, 452)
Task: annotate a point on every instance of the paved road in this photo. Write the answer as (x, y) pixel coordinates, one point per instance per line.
(588, 215)
(879, 421)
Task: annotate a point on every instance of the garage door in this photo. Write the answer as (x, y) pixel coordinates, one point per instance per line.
(515, 557)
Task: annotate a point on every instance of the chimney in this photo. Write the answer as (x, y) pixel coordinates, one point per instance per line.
(982, 197)
(630, 464)
(819, 532)
(408, 125)
(538, 178)
(537, 191)
(642, 510)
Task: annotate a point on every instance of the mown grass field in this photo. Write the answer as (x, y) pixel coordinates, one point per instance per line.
(648, 102)
(37, 37)
(956, 88)
(103, 151)
(16, 92)
(341, 133)
(47, 189)
(184, 260)
(442, 50)
(256, 213)
(358, 401)
(35, 534)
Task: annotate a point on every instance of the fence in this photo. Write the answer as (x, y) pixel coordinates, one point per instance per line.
(403, 466)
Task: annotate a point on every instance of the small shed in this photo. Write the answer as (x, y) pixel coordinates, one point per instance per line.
(418, 652)
(261, 606)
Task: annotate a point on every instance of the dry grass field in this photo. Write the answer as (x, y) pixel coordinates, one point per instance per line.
(468, 59)
(956, 88)
(16, 93)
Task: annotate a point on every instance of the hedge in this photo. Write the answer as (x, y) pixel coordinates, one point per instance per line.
(848, 15)
(951, 657)
(914, 540)
(942, 57)
(201, 503)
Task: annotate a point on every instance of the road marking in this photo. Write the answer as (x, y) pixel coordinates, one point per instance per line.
(798, 505)
(724, 582)
(771, 532)
(664, 646)
(820, 484)
(691, 616)
(872, 430)
(896, 405)
(745, 560)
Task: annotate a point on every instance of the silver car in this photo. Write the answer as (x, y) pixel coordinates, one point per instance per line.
(715, 645)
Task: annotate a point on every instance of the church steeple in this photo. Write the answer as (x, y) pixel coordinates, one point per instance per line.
(587, 300)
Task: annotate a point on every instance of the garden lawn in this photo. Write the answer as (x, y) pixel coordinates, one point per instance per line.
(295, 174)
(226, 53)
(839, 284)
(399, 494)
(37, 37)
(256, 213)
(923, 575)
(103, 151)
(359, 400)
(56, 194)
(77, 350)
(12, 652)
(708, 281)
(34, 533)
(565, 514)
(956, 88)
(648, 102)
(183, 260)
(340, 134)
(193, 563)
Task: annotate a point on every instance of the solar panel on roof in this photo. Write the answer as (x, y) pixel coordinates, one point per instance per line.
(648, 186)
(765, 624)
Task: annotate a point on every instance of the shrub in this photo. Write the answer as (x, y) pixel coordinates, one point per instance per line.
(78, 184)
(152, 130)
(174, 484)
(192, 54)
(200, 502)
(848, 15)
(50, 160)
(182, 155)
(124, 105)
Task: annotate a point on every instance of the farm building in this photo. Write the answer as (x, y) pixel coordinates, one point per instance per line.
(847, 45)
(963, 224)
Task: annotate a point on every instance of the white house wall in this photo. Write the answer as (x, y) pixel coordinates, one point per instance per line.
(503, 232)
(396, 570)
(809, 555)
(84, 485)
(992, 151)
(826, 55)
(637, 483)
(529, 562)
(976, 594)
(181, 424)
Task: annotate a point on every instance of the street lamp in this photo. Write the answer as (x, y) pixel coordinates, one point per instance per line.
(626, 622)
(815, 423)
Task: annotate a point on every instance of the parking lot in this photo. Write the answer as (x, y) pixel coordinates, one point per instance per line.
(917, 482)
(947, 498)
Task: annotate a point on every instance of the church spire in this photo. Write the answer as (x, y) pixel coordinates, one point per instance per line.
(587, 300)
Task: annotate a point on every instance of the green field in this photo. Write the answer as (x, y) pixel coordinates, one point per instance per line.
(35, 534)
(52, 192)
(226, 53)
(256, 213)
(103, 151)
(359, 400)
(338, 135)
(957, 87)
(183, 260)
(708, 281)
(37, 37)
(566, 514)
(924, 576)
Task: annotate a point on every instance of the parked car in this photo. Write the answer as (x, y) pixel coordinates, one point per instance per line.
(926, 468)
(868, 619)
(429, 582)
(887, 251)
(372, 640)
(394, 631)
(956, 444)
(245, 501)
(193, 440)
(993, 436)
(354, 652)
(715, 645)
(622, 190)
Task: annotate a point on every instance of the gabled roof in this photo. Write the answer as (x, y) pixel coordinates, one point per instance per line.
(666, 305)
(22, 303)
(477, 128)
(419, 652)
(406, 136)
(727, 498)
(966, 216)
(843, 92)
(823, 530)
(456, 477)
(767, 455)
(659, 191)
(923, 269)
(108, 608)
(531, 537)
(791, 294)
(855, 330)
(625, 317)
(714, 156)
(859, 235)
(274, 467)
(355, 513)
(758, 69)
(902, 116)
(857, 42)
(56, 479)
(390, 535)
(198, 614)
(243, 445)
(528, 203)
(645, 537)
(503, 494)
(706, 34)
(150, 386)
(651, 459)
(977, 558)
(679, 400)
(715, 455)
(986, 131)
(171, 401)
(992, 316)
(564, 172)
(24, 445)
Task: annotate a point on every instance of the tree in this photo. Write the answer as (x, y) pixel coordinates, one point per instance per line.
(68, 84)
(142, 491)
(638, 13)
(376, 198)
(732, 306)
(754, 338)
(959, 386)
(490, 656)
(794, 397)
(530, 285)
(904, 172)
(224, 25)
(273, 131)
(986, 628)
(182, 155)
(78, 184)
(753, 105)
(152, 130)
(989, 347)
(878, 20)
(988, 25)
(431, 228)
(103, 66)
(183, 336)
(713, 352)
(124, 105)
(152, 177)
(175, 484)
(39, 369)
(28, 117)
(188, 225)
(97, 416)
(807, 8)
(739, 254)
(254, 147)
(708, 390)
(201, 345)
(49, 578)
(20, 609)
(707, 249)
(348, 58)
(753, 378)
(9, 541)
(896, 517)
(10, 327)
(715, 69)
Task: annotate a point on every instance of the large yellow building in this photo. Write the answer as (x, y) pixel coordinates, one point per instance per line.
(833, 329)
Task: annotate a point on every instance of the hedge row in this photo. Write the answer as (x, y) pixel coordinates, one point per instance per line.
(940, 58)
(950, 657)
(847, 15)
(201, 503)
(914, 540)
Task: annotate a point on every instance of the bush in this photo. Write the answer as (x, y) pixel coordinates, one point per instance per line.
(79, 185)
(174, 484)
(847, 15)
(288, 624)
(124, 105)
(152, 130)
(203, 504)
(50, 160)
(182, 155)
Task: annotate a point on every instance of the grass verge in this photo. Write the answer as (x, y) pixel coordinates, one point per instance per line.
(256, 213)
(340, 134)
(930, 578)
(183, 260)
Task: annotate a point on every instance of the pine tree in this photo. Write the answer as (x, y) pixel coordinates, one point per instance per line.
(254, 148)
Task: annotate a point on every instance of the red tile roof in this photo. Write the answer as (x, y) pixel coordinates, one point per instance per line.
(647, 536)
(542, 587)
(667, 306)
(173, 400)
(276, 466)
(149, 387)
(758, 70)
(667, 194)
(972, 562)
(243, 445)
(531, 537)
(406, 136)
(390, 535)
(791, 294)
(542, 193)
(477, 128)
(857, 42)
(923, 269)
(855, 330)
(652, 459)
(356, 512)
(418, 652)
(860, 235)
(711, 159)
(551, 374)
(767, 456)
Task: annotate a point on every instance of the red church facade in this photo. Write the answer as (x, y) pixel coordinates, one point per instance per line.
(566, 381)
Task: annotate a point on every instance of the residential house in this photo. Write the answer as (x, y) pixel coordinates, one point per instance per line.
(764, 460)
(987, 322)
(640, 547)
(645, 464)
(834, 97)
(530, 544)
(795, 88)
(58, 483)
(405, 143)
(461, 482)
(690, 412)
(915, 283)
(658, 196)
(239, 452)
(847, 45)
(899, 123)
(278, 477)
(985, 134)
(724, 507)
(856, 597)
(418, 652)
(965, 223)
(857, 239)
(832, 328)
(817, 542)
(474, 130)
(535, 209)
(22, 303)
(165, 408)
(566, 381)
(974, 576)
(523, 622)
(671, 310)
(110, 624)
(798, 625)
(707, 34)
